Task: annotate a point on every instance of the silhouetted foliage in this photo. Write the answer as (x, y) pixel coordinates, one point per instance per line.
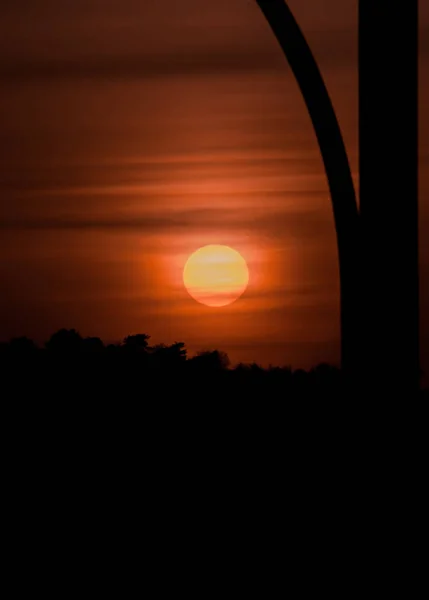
(64, 341)
(168, 357)
(136, 343)
(210, 360)
(134, 369)
(92, 345)
(22, 346)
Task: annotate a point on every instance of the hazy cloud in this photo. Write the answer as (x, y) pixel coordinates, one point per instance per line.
(142, 66)
(291, 223)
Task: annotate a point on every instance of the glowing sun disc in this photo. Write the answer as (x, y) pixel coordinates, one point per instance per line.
(216, 275)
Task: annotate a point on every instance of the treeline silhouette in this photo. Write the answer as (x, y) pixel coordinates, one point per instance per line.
(68, 361)
(69, 365)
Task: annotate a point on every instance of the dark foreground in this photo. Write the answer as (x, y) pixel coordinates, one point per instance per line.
(69, 368)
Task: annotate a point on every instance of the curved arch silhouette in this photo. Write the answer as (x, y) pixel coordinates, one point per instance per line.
(325, 123)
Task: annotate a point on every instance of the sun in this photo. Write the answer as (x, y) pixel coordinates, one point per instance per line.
(216, 275)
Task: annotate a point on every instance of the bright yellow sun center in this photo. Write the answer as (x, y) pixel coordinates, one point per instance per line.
(216, 275)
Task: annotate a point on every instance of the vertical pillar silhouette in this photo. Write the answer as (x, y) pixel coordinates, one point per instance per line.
(388, 131)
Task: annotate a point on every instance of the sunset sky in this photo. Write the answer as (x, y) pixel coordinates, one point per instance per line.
(134, 132)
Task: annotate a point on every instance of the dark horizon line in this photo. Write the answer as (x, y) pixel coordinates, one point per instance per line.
(23, 344)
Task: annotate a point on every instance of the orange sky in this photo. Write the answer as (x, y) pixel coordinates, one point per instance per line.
(133, 133)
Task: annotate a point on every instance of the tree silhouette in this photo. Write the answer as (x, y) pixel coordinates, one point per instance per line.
(136, 344)
(92, 345)
(134, 371)
(64, 341)
(210, 360)
(22, 345)
(168, 357)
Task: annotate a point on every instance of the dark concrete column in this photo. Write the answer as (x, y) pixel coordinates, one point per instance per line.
(388, 100)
